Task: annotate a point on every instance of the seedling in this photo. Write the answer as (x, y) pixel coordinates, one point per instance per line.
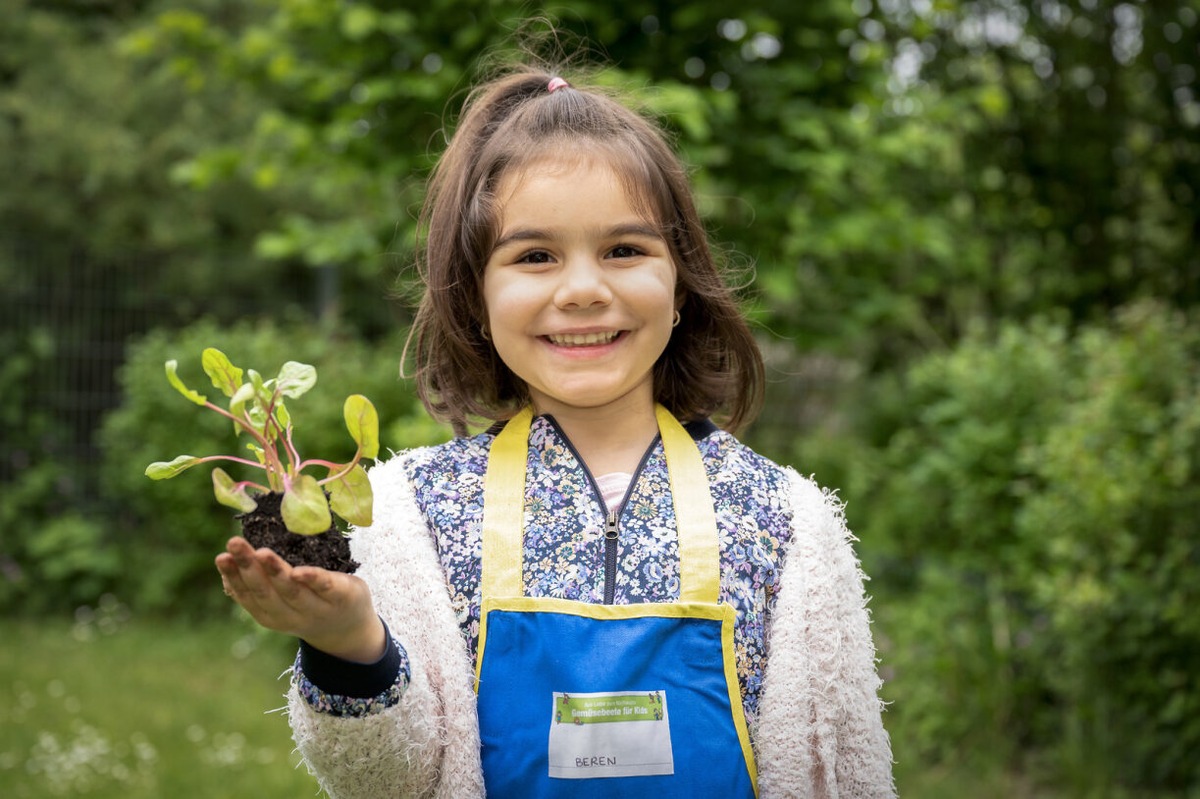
(257, 410)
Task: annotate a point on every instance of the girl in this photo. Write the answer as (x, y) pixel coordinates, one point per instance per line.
(604, 594)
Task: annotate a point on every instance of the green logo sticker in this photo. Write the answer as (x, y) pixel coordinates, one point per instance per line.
(584, 745)
(611, 707)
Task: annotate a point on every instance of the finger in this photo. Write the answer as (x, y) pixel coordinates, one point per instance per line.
(320, 581)
(239, 547)
(300, 601)
(250, 584)
(281, 576)
(334, 591)
(225, 584)
(309, 593)
(239, 567)
(241, 551)
(271, 564)
(231, 578)
(260, 581)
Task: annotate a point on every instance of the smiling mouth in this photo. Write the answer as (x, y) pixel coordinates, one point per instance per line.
(583, 339)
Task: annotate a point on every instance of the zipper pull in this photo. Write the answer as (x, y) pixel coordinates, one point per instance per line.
(610, 526)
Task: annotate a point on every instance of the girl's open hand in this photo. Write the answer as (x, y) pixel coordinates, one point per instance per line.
(330, 610)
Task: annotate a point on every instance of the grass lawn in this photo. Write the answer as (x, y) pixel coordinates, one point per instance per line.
(107, 707)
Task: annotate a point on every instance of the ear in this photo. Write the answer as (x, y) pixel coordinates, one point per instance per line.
(680, 301)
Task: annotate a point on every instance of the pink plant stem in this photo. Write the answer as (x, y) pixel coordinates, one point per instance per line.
(293, 455)
(345, 468)
(272, 466)
(230, 458)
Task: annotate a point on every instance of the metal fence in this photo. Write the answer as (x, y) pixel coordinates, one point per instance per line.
(66, 321)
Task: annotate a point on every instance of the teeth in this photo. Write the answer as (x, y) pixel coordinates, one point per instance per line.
(583, 339)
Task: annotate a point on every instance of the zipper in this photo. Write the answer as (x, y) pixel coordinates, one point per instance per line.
(612, 522)
(610, 553)
(611, 517)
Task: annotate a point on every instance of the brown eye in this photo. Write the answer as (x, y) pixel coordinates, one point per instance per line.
(624, 251)
(535, 257)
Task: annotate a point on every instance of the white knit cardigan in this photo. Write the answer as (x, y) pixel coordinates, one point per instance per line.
(819, 732)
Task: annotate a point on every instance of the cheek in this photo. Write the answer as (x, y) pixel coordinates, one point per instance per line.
(505, 304)
(671, 283)
(496, 298)
(512, 309)
(659, 292)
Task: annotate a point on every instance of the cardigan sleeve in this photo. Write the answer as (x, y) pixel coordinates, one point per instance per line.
(426, 744)
(343, 688)
(820, 731)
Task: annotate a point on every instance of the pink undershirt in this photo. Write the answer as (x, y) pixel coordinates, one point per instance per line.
(613, 487)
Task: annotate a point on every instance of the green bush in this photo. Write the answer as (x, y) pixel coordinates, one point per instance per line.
(49, 560)
(1032, 520)
(172, 529)
(52, 559)
(1117, 573)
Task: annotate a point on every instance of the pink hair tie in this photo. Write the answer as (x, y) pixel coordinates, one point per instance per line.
(555, 84)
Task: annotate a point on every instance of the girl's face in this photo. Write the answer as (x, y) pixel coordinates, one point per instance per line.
(579, 289)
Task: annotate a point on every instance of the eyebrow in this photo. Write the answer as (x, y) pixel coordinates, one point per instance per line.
(617, 231)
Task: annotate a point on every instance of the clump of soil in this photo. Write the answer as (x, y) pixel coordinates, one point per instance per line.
(263, 527)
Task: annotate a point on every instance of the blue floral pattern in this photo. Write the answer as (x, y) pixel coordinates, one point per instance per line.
(564, 532)
(564, 540)
(352, 706)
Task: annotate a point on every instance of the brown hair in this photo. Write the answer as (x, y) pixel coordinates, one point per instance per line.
(711, 364)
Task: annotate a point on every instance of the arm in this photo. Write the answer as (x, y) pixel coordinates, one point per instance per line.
(422, 739)
(428, 743)
(820, 732)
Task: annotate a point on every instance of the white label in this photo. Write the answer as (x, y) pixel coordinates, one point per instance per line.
(615, 734)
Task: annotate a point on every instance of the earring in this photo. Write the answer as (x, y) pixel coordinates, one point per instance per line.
(483, 331)
(675, 322)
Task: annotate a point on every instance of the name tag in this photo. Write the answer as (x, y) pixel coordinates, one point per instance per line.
(610, 735)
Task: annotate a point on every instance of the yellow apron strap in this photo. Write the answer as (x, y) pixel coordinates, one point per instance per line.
(504, 511)
(699, 565)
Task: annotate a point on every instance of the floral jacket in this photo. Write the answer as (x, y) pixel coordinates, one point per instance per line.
(406, 725)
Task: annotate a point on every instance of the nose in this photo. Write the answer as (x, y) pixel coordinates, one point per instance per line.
(582, 283)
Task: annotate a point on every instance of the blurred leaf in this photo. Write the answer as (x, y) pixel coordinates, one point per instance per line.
(305, 508)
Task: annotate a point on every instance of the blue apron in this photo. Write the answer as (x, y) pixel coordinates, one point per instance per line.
(584, 700)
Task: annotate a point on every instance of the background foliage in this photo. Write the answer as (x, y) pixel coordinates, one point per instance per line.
(973, 231)
(169, 566)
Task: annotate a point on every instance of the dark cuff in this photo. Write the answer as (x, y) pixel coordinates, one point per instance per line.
(345, 678)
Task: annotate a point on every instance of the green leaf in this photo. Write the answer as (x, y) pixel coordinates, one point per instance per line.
(224, 375)
(161, 470)
(304, 507)
(281, 415)
(237, 404)
(263, 391)
(266, 394)
(178, 385)
(295, 379)
(351, 498)
(258, 420)
(362, 421)
(230, 494)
